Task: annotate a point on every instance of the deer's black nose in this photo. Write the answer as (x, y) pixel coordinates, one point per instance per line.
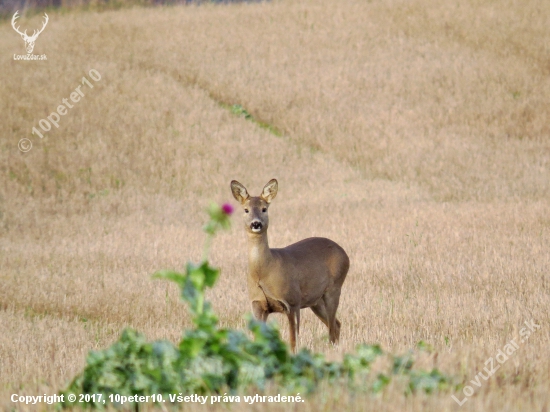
(256, 225)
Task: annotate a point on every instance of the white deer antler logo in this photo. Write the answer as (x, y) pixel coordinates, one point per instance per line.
(29, 40)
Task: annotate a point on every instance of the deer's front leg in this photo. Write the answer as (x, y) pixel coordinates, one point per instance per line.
(294, 325)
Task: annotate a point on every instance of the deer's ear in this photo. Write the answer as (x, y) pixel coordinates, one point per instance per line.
(239, 191)
(270, 191)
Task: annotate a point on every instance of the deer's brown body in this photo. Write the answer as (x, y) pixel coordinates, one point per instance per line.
(306, 274)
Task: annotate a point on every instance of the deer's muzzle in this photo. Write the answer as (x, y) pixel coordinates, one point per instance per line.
(256, 226)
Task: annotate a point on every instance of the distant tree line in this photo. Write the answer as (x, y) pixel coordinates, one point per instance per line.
(8, 7)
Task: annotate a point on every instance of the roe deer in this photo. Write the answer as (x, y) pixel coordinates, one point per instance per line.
(306, 274)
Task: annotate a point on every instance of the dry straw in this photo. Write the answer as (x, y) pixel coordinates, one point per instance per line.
(413, 133)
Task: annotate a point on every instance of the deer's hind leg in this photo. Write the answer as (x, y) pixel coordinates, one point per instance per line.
(320, 311)
(260, 310)
(333, 324)
(331, 300)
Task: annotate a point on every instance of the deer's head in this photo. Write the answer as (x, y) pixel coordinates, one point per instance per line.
(29, 40)
(255, 208)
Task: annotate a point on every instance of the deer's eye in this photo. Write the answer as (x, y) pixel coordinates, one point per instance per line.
(245, 210)
(264, 209)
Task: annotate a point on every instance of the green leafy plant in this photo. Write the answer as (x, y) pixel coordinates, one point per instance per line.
(210, 360)
(240, 111)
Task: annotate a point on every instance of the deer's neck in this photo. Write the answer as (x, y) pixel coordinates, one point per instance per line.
(259, 254)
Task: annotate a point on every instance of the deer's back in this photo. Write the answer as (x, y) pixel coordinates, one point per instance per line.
(317, 254)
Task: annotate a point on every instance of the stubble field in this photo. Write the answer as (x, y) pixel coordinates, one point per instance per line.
(416, 134)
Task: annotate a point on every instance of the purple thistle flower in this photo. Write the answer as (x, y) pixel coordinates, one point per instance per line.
(227, 209)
